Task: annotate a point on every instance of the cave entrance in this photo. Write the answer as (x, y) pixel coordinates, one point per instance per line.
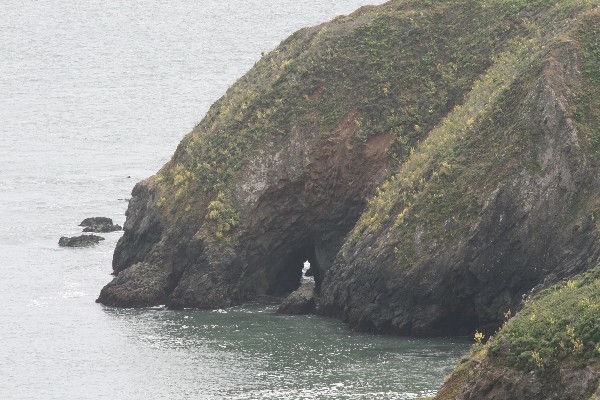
(300, 264)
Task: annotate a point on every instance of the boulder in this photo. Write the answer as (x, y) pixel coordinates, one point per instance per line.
(79, 241)
(99, 225)
(300, 301)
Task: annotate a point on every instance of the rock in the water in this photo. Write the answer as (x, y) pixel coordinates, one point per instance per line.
(136, 287)
(299, 302)
(99, 225)
(79, 241)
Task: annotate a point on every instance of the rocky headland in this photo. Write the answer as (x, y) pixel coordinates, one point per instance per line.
(433, 161)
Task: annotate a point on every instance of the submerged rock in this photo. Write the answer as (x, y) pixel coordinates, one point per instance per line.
(79, 241)
(300, 301)
(99, 225)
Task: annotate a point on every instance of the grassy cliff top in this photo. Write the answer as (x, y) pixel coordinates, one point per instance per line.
(562, 322)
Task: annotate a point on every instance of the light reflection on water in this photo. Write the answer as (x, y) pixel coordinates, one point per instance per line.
(260, 355)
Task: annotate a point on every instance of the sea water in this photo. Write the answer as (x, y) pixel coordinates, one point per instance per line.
(95, 96)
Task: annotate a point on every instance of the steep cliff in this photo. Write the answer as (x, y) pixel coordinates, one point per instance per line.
(433, 160)
(499, 197)
(551, 349)
(280, 169)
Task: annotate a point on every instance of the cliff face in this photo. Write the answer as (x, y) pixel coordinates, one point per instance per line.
(432, 160)
(280, 169)
(497, 198)
(550, 349)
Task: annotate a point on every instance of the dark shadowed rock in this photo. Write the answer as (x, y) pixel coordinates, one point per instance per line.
(79, 241)
(99, 225)
(300, 301)
(144, 285)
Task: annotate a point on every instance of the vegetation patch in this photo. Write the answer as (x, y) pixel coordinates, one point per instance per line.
(560, 323)
(587, 115)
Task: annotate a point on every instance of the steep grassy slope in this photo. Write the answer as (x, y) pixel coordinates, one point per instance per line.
(396, 69)
(501, 195)
(550, 349)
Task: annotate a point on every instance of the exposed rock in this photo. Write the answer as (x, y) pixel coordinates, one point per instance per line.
(486, 381)
(482, 212)
(430, 186)
(300, 301)
(79, 241)
(139, 292)
(99, 225)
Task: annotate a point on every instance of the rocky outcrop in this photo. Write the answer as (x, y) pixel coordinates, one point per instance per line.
(498, 199)
(281, 168)
(79, 241)
(487, 381)
(432, 161)
(300, 301)
(142, 284)
(548, 351)
(99, 225)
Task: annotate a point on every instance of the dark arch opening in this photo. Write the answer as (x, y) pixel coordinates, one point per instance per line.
(288, 276)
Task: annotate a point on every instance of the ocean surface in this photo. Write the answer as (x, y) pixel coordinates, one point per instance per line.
(95, 96)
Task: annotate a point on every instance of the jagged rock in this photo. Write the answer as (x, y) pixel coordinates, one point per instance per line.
(79, 241)
(139, 292)
(99, 225)
(300, 301)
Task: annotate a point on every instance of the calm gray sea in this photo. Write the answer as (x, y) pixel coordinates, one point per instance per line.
(94, 96)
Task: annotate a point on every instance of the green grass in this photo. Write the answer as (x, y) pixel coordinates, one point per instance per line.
(562, 322)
